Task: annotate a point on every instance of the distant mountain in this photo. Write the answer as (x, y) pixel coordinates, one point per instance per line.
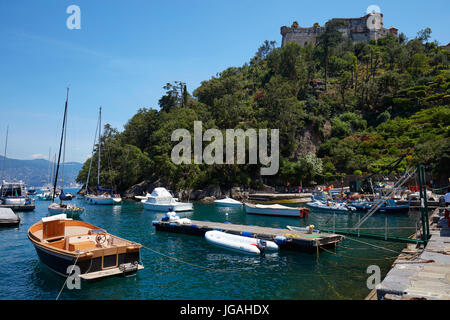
(35, 173)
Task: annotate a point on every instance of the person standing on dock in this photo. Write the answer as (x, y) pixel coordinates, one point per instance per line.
(447, 198)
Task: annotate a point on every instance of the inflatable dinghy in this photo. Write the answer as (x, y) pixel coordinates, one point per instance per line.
(239, 243)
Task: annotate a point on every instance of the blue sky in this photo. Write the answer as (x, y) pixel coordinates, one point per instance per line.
(126, 51)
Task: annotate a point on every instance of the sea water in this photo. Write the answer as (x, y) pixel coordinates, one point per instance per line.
(188, 267)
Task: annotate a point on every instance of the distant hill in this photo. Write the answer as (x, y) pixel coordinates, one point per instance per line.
(35, 173)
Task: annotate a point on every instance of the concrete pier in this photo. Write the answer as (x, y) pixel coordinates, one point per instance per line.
(421, 273)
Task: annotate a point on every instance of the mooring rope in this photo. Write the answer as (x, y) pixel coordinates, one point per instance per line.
(73, 267)
(211, 269)
(361, 259)
(372, 245)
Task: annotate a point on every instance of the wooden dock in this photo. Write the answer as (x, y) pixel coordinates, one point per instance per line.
(285, 238)
(25, 207)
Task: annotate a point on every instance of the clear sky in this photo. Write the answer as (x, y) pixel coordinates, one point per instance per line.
(126, 51)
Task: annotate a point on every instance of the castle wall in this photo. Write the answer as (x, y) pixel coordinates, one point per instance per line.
(358, 29)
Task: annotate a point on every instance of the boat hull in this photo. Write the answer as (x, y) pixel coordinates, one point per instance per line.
(294, 212)
(61, 263)
(215, 238)
(325, 208)
(230, 205)
(102, 201)
(177, 207)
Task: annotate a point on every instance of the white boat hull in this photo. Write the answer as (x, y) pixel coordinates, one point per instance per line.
(228, 203)
(266, 211)
(334, 207)
(14, 201)
(98, 200)
(237, 243)
(177, 207)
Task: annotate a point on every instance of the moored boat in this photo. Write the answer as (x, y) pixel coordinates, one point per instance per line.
(68, 209)
(161, 200)
(330, 206)
(276, 210)
(58, 208)
(103, 199)
(61, 243)
(228, 202)
(239, 243)
(102, 196)
(388, 206)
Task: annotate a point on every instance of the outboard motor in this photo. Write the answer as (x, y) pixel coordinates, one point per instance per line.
(262, 245)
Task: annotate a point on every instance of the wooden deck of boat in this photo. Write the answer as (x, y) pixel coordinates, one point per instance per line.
(295, 240)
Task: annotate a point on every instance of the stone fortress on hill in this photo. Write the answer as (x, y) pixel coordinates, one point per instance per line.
(364, 29)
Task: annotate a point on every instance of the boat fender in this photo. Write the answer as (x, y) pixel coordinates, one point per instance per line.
(194, 226)
(280, 240)
(247, 234)
(173, 224)
(155, 223)
(217, 229)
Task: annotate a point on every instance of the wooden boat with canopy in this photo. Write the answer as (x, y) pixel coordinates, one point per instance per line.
(61, 242)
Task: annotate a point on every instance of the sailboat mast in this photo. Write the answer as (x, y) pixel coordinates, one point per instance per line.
(60, 145)
(99, 145)
(4, 157)
(49, 167)
(64, 161)
(92, 156)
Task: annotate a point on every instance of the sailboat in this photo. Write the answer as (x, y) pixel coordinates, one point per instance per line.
(103, 196)
(61, 208)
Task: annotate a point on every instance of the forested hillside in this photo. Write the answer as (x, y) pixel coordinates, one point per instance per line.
(341, 108)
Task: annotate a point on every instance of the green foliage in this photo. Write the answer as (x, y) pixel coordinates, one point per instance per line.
(361, 105)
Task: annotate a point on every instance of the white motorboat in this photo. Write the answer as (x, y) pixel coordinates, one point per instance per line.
(228, 202)
(239, 243)
(275, 210)
(161, 200)
(331, 206)
(13, 193)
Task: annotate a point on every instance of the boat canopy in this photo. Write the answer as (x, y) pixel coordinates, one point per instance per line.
(99, 188)
(161, 193)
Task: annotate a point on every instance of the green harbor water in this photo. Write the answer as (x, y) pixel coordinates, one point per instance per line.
(187, 267)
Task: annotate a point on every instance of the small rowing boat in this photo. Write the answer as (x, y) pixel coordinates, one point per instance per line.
(240, 244)
(61, 243)
(276, 210)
